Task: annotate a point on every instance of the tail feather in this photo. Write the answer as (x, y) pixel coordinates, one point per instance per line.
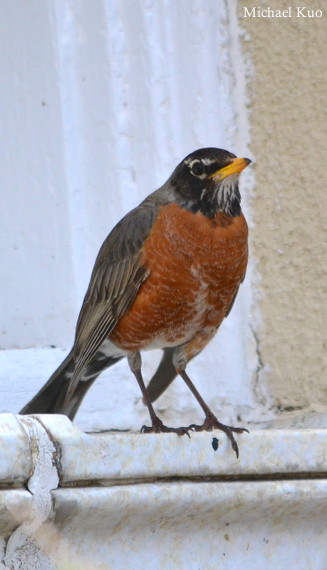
(47, 399)
(51, 398)
(164, 375)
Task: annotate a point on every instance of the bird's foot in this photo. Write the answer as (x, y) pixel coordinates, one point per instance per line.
(159, 427)
(211, 423)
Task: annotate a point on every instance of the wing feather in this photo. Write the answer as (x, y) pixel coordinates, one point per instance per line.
(116, 278)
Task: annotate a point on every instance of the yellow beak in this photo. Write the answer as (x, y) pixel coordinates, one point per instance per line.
(235, 166)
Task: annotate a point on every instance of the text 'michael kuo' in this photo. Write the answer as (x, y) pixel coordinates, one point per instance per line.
(290, 12)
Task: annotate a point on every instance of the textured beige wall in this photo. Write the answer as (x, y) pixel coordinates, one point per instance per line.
(288, 102)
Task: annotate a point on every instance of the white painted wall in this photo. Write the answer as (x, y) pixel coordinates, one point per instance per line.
(99, 102)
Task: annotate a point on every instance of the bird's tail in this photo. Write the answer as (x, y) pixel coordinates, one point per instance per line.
(51, 398)
(164, 375)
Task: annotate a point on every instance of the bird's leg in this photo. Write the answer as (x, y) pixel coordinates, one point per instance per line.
(210, 421)
(135, 363)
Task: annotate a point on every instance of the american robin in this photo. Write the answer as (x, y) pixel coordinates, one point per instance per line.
(165, 277)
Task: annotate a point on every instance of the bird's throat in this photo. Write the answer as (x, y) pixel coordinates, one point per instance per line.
(224, 198)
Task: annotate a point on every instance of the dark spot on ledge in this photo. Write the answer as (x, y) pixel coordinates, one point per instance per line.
(215, 443)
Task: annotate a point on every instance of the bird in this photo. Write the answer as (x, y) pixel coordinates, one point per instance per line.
(166, 277)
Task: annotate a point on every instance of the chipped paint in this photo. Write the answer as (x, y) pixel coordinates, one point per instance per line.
(22, 550)
(133, 500)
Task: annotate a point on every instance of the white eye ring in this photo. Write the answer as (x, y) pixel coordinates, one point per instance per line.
(197, 168)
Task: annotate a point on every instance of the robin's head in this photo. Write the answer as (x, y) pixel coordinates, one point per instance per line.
(207, 180)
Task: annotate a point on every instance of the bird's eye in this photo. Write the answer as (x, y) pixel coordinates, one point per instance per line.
(197, 168)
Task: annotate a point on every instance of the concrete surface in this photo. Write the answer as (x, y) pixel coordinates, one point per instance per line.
(161, 501)
(287, 102)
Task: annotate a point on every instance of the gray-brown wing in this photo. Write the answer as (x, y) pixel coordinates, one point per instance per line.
(112, 293)
(116, 278)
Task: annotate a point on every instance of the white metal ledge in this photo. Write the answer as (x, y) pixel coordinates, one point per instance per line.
(124, 500)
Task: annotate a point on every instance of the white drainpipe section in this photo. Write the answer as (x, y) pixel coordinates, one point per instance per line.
(71, 500)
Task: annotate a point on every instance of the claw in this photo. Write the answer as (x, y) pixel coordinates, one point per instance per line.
(211, 423)
(159, 427)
